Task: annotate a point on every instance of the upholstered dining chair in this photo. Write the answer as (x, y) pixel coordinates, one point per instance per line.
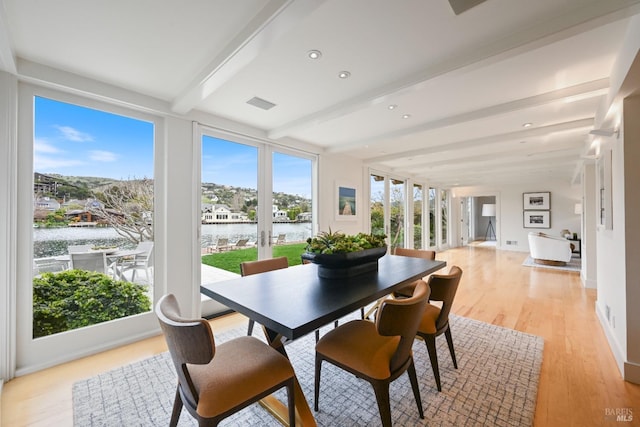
(215, 381)
(377, 352)
(435, 320)
(416, 253)
(248, 268)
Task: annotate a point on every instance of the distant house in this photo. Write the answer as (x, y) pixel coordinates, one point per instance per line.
(213, 214)
(279, 215)
(304, 217)
(46, 204)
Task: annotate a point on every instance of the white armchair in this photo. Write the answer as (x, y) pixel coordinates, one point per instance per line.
(549, 250)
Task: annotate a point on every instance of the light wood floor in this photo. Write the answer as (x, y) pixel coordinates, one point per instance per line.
(579, 380)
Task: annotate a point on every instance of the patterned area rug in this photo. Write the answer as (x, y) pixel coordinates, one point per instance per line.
(574, 265)
(495, 384)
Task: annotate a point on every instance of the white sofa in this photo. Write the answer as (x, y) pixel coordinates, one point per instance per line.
(547, 249)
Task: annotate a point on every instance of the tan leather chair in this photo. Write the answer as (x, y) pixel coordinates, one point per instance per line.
(248, 268)
(377, 352)
(416, 253)
(215, 381)
(435, 320)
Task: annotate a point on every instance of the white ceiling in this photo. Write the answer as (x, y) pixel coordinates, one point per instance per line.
(469, 82)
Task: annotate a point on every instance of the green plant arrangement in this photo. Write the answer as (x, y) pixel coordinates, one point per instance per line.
(339, 243)
(76, 298)
(340, 255)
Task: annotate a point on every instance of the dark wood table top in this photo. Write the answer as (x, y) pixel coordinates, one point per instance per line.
(294, 301)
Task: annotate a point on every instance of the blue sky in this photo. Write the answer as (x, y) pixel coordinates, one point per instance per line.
(78, 141)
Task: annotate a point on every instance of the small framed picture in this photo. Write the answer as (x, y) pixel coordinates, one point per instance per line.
(346, 202)
(536, 201)
(537, 219)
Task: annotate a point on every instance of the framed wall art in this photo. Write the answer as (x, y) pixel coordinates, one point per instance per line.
(536, 201)
(346, 202)
(537, 219)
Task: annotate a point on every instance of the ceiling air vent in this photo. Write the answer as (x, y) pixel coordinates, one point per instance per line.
(460, 6)
(261, 103)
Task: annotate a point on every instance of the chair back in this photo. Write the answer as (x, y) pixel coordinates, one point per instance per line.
(78, 248)
(91, 261)
(189, 341)
(146, 256)
(416, 253)
(401, 317)
(241, 243)
(248, 268)
(444, 288)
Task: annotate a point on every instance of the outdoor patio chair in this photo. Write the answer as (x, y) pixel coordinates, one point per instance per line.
(142, 261)
(240, 244)
(222, 245)
(281, 239)
(90, 261)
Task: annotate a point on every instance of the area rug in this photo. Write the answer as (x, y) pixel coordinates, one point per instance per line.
(495, 384)
(574, 265)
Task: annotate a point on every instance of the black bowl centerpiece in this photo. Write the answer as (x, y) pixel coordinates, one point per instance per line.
(340, 255)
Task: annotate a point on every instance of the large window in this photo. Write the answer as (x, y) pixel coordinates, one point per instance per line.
(93, 198)
(418, 216)
(432, 217)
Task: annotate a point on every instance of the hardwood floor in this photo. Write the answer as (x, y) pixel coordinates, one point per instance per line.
(579, 382)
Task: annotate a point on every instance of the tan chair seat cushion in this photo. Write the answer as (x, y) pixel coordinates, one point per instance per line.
(429, 317)
(240, 368)
(358, 345)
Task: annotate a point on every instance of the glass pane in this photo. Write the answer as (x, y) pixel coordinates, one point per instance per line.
(377, 201)
(444, 207)
(229, 205)
(292, 204)
(418, 216)
(432, 217)
(92, 217)
(397, 208)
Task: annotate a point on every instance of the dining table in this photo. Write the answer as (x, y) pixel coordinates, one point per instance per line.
(292, 302)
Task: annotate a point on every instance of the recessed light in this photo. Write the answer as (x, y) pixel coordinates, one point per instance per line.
(392, 107)
(406, 116)
(344, 74)
(314, 54)
(527, 125)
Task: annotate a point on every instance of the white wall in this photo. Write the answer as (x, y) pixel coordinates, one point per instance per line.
(617, 266)
(509, 220)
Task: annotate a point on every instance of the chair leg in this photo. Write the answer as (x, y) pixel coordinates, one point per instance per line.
(447, 334)
(430, 341)
(381, 390)
(362, 313)
(250, 328)
(177, 408)
(317, 335)
(316, 388)
(291, 402)
(413, 378)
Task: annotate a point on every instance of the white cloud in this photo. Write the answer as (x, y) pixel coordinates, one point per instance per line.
(72, 134)
(43, 146)
(47, 164)
(103, 156)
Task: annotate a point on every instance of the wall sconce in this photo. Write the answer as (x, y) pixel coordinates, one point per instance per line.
(577, 209)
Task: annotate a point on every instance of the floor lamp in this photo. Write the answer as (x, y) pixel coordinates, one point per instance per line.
(489, 210)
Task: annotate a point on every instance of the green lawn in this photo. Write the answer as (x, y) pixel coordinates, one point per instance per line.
(231, 260)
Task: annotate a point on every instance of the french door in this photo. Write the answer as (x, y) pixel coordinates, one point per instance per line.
(254, 192)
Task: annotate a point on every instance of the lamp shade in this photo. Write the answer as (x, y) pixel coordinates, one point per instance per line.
(489, 209)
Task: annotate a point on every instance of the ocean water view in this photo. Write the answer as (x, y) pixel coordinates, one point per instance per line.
(54, 241)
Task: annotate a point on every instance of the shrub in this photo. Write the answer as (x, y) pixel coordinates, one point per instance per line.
(76, 298)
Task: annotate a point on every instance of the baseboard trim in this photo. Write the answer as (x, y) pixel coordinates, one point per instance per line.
(611, 339)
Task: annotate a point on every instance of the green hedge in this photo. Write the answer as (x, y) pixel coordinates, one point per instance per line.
(76, 298)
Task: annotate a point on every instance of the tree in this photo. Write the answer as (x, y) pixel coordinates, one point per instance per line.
(127, 207)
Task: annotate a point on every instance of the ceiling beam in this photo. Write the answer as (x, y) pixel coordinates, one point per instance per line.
(271, 23)
(492, 139)
(583, 91)
(590, 16)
